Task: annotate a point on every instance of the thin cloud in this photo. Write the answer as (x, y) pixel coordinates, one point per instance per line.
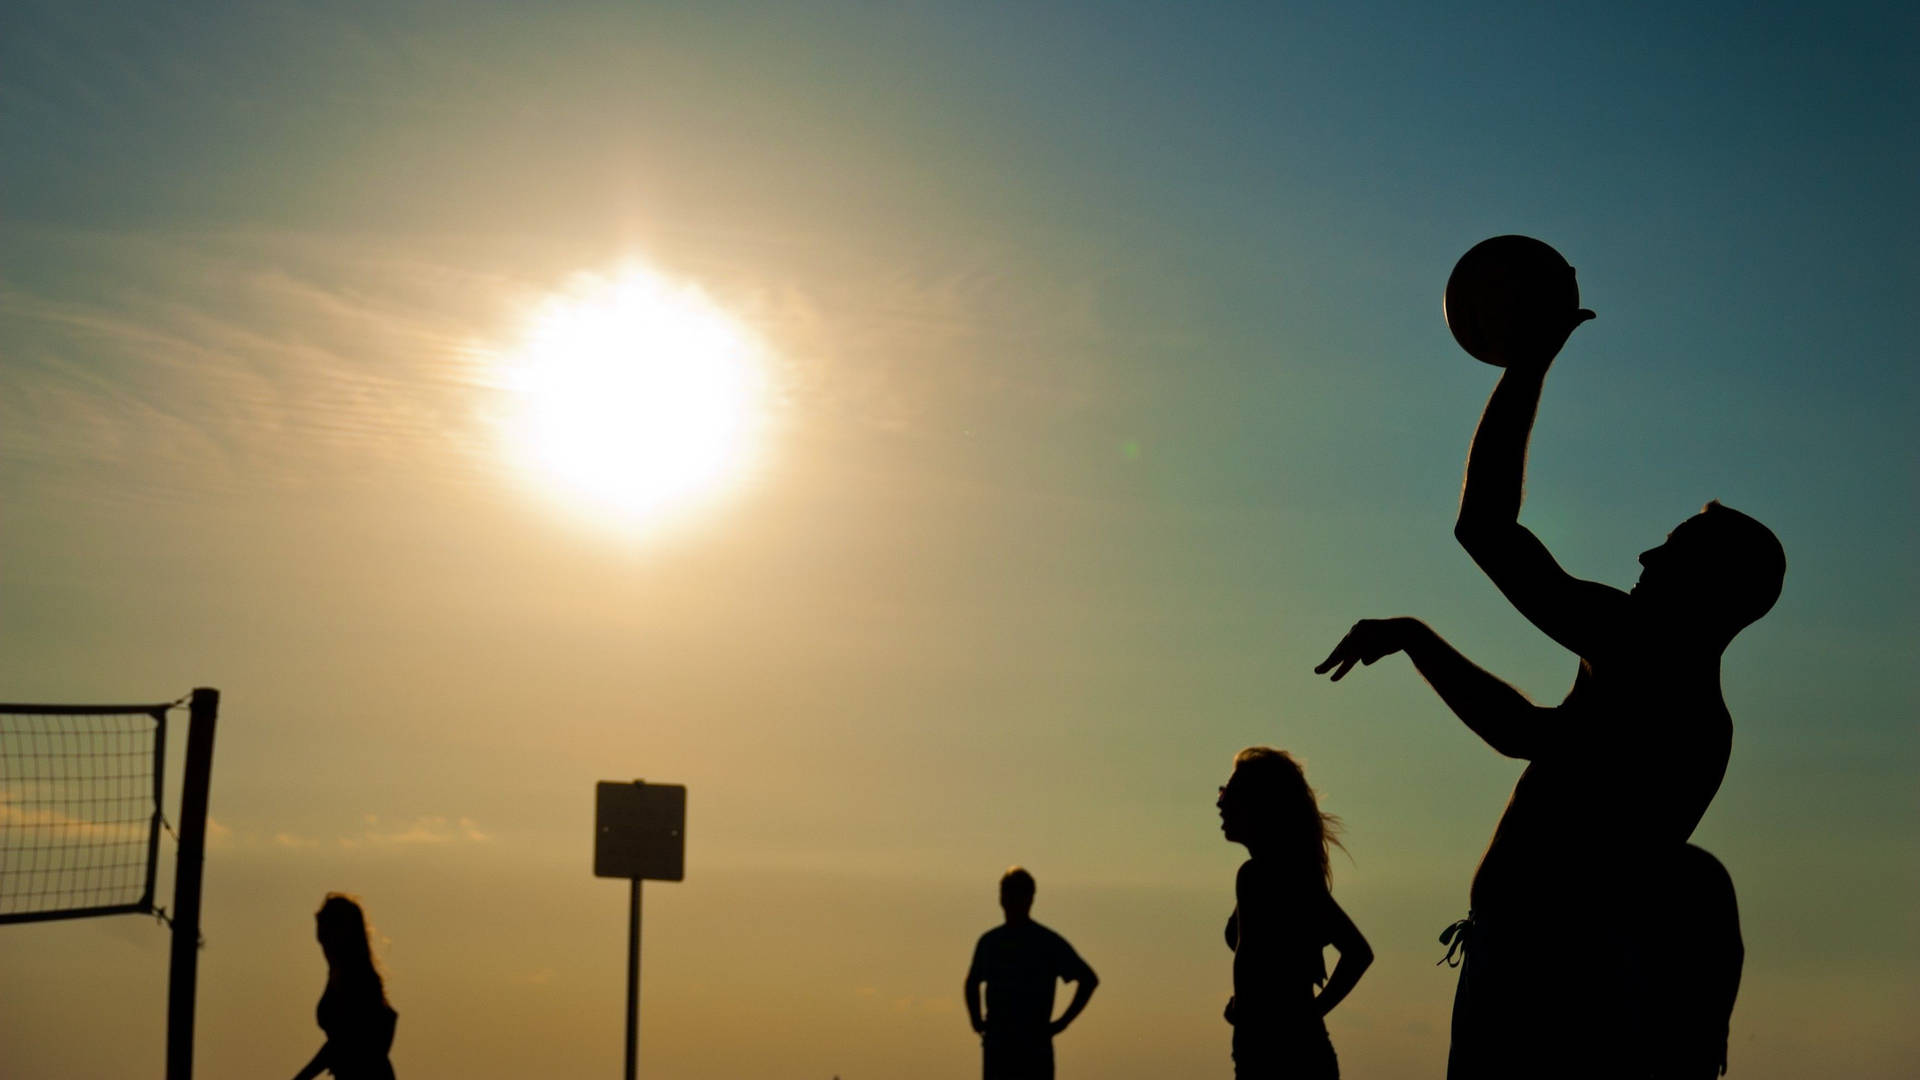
(50, 826)
(229, 363)
(431, 830)
(215, 363)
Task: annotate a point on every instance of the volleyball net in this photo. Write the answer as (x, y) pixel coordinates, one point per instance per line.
(81, 821)
(80, 809)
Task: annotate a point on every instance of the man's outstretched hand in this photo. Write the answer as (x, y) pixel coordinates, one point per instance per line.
(1369, 640)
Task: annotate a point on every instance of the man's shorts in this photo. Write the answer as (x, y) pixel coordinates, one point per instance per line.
(1537, 1001)
(1300, 1051)
(1028, 1057)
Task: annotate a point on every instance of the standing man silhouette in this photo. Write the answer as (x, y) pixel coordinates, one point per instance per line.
(1568, 899)
(1018, 962)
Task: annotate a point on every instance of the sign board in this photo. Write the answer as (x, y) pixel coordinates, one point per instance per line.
(640, 830)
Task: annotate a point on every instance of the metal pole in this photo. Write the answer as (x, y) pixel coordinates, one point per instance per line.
(184, 968)
(633, 978)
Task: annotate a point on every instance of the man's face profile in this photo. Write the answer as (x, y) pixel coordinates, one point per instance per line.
(1675, 560)
(1718, 569)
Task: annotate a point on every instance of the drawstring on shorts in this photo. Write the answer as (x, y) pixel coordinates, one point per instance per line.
(1454, 937)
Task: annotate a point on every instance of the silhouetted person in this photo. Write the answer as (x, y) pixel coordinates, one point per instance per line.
(1018, 961)
(1578, 876)
(1700, 955)
(353, 1010)
(1284, 916)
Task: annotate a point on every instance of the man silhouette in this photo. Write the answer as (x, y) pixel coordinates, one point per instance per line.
(1698, 936)
(1568, 901)
(1018, 962)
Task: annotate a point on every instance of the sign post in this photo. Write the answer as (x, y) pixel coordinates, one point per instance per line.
(639, 832)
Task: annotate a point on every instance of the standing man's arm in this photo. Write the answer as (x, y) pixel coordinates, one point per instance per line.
(973, 1005)
(974, 983)
(1084, 981)
(1572, 612)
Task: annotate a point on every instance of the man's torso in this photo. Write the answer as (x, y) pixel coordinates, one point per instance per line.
(1636, 754)
(1021, 963)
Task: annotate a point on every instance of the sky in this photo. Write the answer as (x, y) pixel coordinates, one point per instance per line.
(1099, 384)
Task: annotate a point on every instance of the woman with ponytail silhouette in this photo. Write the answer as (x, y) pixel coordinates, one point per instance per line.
(1284, 916)
(353, 1010)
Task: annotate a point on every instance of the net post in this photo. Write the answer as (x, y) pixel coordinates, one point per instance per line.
(183, 970)
(633, 980)
(159, 805)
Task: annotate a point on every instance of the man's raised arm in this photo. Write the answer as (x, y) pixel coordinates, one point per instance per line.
(1568, 610)
(1497, 458)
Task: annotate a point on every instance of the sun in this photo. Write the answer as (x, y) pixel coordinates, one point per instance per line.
(636, 396)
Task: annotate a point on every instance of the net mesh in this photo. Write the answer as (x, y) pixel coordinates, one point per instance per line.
(79, 809)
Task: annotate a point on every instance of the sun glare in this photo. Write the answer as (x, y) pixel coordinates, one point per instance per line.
(638, 396)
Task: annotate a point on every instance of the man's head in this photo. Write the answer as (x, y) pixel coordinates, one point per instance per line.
(1719, 570)
(1016, 894)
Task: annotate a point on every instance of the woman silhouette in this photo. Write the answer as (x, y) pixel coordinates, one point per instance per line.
(1284, 915)
(353, 1010)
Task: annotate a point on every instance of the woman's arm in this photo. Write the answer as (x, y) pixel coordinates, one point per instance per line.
(317, 1066)
(1355, 957)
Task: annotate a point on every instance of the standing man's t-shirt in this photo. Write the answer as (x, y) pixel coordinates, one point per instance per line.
(1021, 964)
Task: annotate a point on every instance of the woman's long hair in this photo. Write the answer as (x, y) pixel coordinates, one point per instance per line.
(1278, 793)
(344, 936)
